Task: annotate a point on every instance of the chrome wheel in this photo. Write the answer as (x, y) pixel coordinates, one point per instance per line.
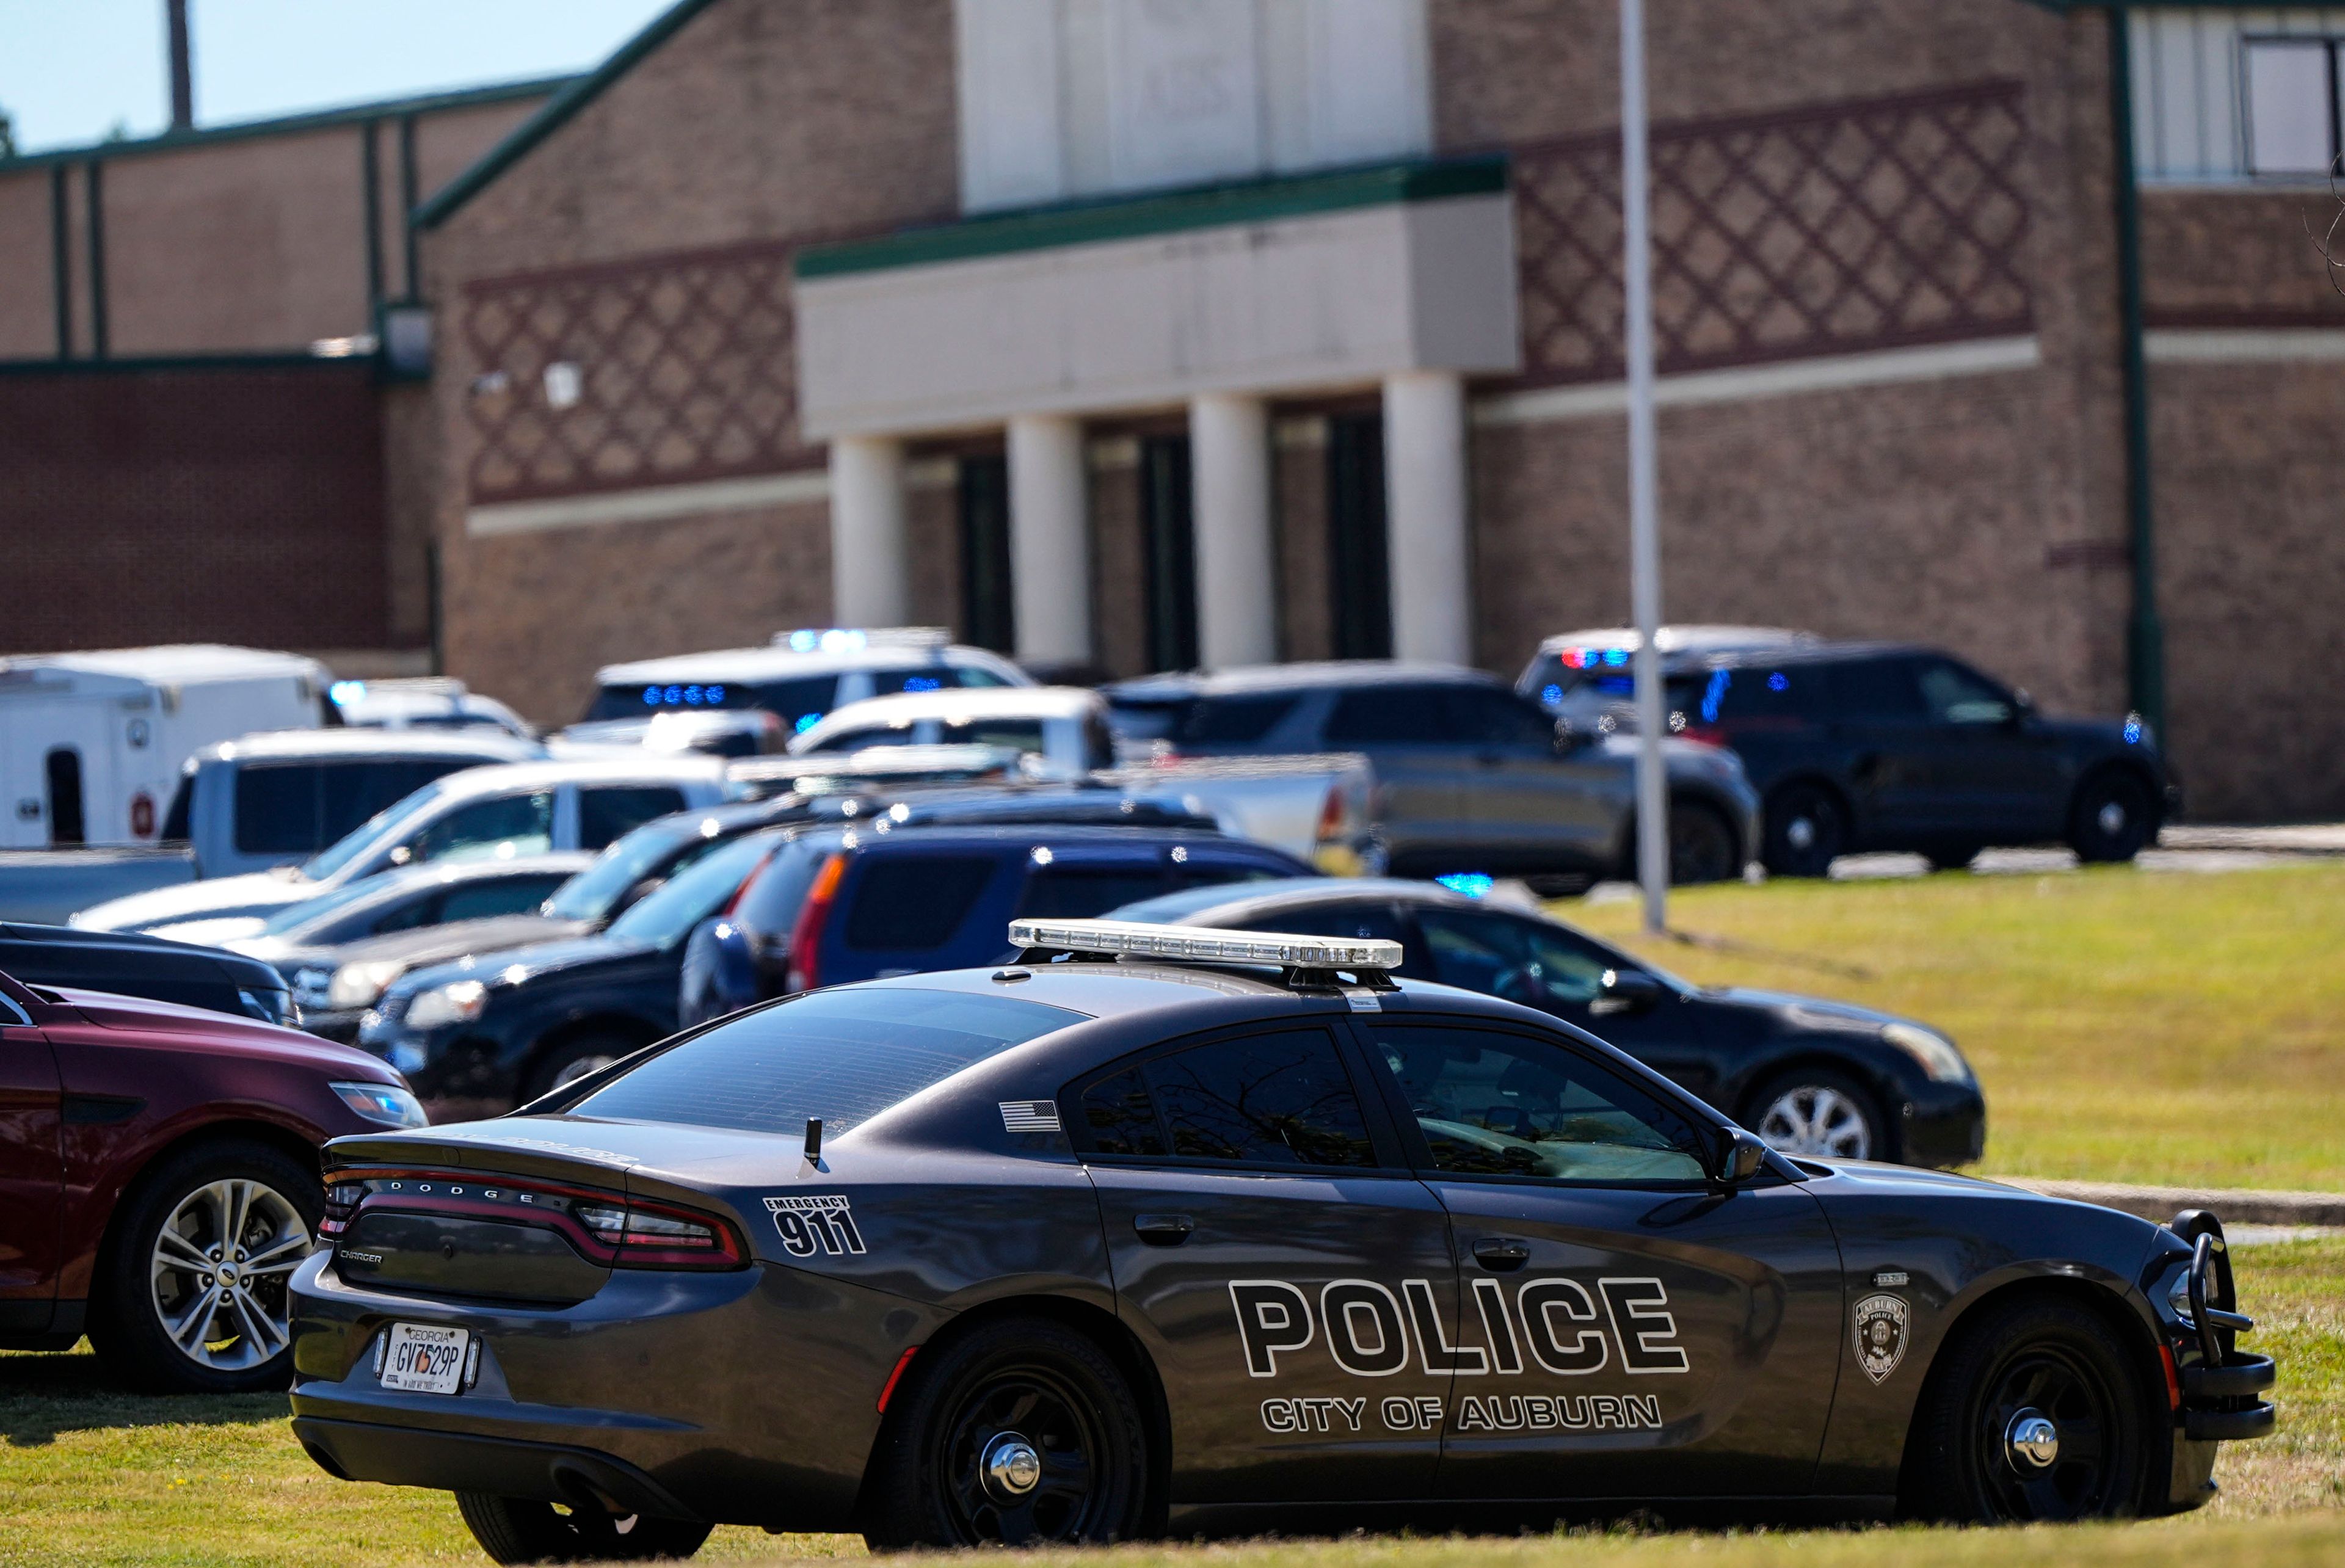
(218, 1274)
(1817, 1119)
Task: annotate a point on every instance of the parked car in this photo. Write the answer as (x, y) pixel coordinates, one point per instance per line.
(1586, 678)
(521, 808)
(158, 1181)
(91, 744)
(850, 905)
(1469, 776)
(249, 806)
(1884, 746)
(426, 894)
(423, 703)
(802, 676)
(1063, 730)
(135, 966)
(737, 733)
(1811, 1077)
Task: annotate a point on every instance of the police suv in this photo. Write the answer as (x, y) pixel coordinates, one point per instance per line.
(1161, 1227)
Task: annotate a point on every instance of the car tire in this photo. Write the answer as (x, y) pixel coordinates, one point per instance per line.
(1972, 1458)
(1022, 1433)
(1806, 830)
(1819, 1114)
(192, 1284)
(525, 1530)
(573, 1059)
(1702, 845)
(2113, 819)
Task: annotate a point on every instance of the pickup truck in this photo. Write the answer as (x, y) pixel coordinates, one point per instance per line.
(250, 804)
(1313, 807)
(1469, 777)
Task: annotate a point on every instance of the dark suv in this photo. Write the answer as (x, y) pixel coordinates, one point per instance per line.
(1875, 746)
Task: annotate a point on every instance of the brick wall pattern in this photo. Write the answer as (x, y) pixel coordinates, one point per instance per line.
(1826, 230)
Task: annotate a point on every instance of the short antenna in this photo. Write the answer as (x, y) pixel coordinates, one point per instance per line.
(813, 1137)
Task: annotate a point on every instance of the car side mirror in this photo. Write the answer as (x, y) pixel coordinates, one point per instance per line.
(1741, 1158)
(1627, 991)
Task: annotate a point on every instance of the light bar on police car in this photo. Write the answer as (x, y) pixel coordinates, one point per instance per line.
(1201, 944)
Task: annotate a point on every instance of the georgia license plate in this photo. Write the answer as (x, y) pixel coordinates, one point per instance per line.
(424, 1361)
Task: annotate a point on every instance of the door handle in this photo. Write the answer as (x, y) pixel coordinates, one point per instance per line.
(1501, 1253)
(1163, 1229)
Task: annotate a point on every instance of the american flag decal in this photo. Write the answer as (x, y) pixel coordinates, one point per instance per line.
(1030, 1116)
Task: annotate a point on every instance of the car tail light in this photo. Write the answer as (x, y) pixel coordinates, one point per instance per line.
(742, 892)
(343, 1200)
(1703, 734)
(1331, 815)
(805, 937)
(605, 1228)
(644, 1236)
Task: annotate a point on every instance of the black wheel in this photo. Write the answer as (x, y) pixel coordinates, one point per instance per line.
(1820, 1113)
(1559, 883)
(2035, 1413)
(572, 1060)
(192, 1286)
(1021, 1435)
(2113, 818)
(1702, 845)
(523, 1530)
(1951, 856)
(1806, 830)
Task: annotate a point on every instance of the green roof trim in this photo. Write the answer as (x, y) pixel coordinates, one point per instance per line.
(292, 125)
(1093, 222)
(557, 113)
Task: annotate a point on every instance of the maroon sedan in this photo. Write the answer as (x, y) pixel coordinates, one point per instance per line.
(159, 1179)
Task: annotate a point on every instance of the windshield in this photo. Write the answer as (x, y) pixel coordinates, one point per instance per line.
(667, 913)
(388, 823)
(843, 1056)
(293, 917)
(591, 894)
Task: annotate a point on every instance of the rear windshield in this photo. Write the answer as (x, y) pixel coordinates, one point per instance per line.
(843, 1056)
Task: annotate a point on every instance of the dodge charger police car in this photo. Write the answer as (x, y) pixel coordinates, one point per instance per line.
(1169, 1228)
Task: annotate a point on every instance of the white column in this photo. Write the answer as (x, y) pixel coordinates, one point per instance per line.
(1424, 511)
(867, 531)
(1229, 467)
(1050, 540)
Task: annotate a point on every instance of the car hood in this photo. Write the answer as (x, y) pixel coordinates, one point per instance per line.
(440, 943)
(514, 965)
(220, 1033)
(1810, 1012)
(255, 893)
(214, 933)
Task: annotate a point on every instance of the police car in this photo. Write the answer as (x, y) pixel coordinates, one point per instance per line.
(1165, 1229)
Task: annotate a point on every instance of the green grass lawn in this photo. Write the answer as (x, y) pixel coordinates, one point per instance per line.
(2128, 1025)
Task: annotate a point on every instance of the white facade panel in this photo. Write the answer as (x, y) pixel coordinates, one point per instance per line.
(1013, 131)
(1333, 301)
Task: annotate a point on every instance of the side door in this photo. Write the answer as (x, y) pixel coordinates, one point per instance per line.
(1289, 1276)
(1528, 805)
(1558, 971)
(31, 1192)
(1410, 740)
(1878, 725)
(1994, 775)
(1641, 1333)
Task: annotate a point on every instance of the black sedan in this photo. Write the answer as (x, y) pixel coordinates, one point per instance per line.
(1091, 1246)
(1809, 1076)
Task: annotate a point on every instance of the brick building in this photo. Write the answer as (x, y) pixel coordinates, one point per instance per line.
(1126, 333)
(192, 413)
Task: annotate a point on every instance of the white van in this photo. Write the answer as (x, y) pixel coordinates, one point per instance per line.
(92, 744)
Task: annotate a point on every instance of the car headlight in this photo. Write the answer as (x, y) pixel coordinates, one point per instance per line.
(1931, 1052)
(357, 985)
(458, 1002)
(386, 1104)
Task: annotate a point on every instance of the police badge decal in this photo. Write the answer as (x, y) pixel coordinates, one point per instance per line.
(1881, 1324)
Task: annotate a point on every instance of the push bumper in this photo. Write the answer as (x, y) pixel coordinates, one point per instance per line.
(2218, 1389)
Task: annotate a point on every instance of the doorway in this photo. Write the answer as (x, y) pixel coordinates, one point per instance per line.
(988, 611)
(1169, 546)
(66, 826)
(1359, 574)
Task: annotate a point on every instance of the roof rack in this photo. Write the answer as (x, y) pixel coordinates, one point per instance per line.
(1314, 963)
(855, 639)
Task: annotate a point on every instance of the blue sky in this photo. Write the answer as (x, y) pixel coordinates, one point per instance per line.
(71, 69)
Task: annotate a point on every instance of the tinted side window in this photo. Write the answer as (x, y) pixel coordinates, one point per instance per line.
(1233, 721)
(1392, 716)
(1876, 689)
(525, 822)
(351, 793)
(1501, 719)
(1500, 956)
(504, 895)
(798, 703)
(407, 916)
(1956, 696)
(1496, 1104)
(1764, 694)
(1373, 921)
(183, 807)
(1266, 1100)
(607, 815)
(1083, 892)
(913, 901)
(277, 809)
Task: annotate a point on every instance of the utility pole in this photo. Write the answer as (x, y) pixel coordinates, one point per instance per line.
(183, 83)
(1644, 473)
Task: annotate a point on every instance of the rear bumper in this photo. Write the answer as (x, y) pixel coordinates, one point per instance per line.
(498, 1466)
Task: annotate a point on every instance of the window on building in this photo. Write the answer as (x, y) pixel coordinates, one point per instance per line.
(1359, 579)
(1168, 540)
(2289, 86)
(986, 613)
